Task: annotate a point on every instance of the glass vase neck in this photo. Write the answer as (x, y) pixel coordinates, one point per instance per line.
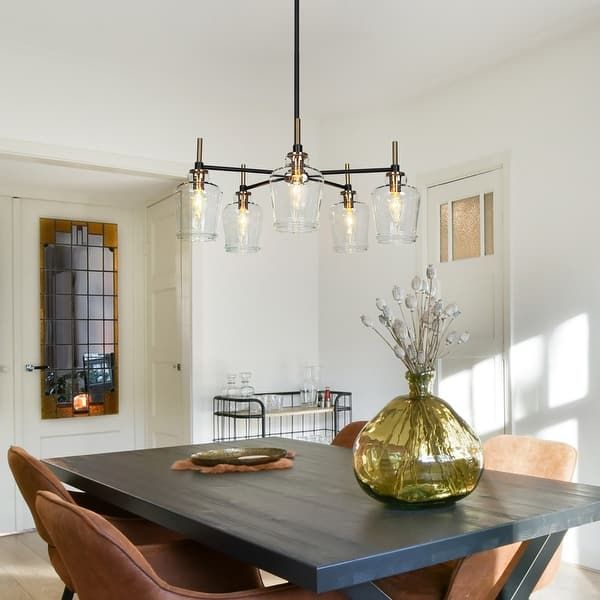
(420, 384)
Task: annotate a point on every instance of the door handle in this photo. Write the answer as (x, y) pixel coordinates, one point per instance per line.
(177, 366)
(30, 368)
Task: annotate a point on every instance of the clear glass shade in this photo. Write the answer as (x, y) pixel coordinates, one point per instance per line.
(199, 210)
(242, 228)
(350, 227)
(296, 198)
(396, 214)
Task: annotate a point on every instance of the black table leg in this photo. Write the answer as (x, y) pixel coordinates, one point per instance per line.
(531, 566)
(365, 591)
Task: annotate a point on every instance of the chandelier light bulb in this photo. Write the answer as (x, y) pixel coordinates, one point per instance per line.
(296, 191)
(395, 201)
(198, 203)
(349, 221)
(396, 207)
(242, 222)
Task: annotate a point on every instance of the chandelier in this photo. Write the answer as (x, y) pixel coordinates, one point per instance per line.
(296, 193)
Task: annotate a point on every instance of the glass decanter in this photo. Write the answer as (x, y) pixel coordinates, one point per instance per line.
(231, 388)
(245, 388)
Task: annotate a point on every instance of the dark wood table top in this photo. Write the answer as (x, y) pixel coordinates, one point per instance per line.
(312, 524)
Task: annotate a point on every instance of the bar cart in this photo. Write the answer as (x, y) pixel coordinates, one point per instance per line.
(282, 414)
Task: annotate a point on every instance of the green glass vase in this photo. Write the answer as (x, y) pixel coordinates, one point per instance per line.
(417, 451)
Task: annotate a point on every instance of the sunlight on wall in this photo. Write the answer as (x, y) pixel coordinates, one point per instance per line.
(568, 361)
(526, 368)
(475, 393)
(566, 432)
(484, 397)
(456, 389)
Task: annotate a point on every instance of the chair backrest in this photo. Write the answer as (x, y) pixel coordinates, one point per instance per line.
(32, 476)
(482, 575)
(345, 438)
(105, 564)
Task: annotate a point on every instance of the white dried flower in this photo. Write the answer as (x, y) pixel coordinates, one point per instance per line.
(451, 309)
(411, 302)
(366, 321)
(397, 326)
(451, 338)
(398, 294)
(416, 338)
(399, 352)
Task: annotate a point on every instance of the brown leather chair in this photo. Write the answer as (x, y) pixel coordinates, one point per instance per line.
(105, 564)
(481, 576)
(346, 436)
(167, 550)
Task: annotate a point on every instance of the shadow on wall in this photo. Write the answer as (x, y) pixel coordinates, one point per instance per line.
(550, 386)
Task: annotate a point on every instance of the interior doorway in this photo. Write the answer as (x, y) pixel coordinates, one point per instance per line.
(465, 240)
(32, 189)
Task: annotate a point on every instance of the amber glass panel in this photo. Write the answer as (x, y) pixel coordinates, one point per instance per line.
(78, 309)
(488, 215)
(444, 232)
(466, 240)
(110, 235)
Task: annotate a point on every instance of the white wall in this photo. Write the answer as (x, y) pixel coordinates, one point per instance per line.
(544, 111)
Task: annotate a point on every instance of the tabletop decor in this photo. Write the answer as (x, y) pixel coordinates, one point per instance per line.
(417, 451)
(231, 460)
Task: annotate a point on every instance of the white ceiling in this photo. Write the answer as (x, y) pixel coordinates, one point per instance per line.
(354, 54)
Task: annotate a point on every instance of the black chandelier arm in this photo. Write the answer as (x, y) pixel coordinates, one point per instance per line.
(259, 184)
(340, 186)
(237, 169)
(358, 171)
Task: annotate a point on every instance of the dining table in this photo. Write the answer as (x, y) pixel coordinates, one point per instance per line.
(313, 526)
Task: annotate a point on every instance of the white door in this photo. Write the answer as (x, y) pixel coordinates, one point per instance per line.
(465, 241)
(85, 435)
(168, 408)
(7, 436)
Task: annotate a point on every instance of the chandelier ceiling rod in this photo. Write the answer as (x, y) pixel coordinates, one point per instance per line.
(297, 129)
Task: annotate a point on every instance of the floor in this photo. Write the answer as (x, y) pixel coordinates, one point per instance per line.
(26, 574)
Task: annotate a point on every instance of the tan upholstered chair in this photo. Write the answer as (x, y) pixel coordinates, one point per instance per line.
(524, 456)
(165, 549)
(481, 576)
(345, 438)
(105, 564)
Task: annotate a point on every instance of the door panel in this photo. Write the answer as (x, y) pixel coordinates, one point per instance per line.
(465, 242)
(76, 435)
(168, 413)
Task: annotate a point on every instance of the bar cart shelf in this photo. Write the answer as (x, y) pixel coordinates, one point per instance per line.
(239, 418)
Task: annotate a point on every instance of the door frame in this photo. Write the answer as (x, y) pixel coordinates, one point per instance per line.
(427, 180)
